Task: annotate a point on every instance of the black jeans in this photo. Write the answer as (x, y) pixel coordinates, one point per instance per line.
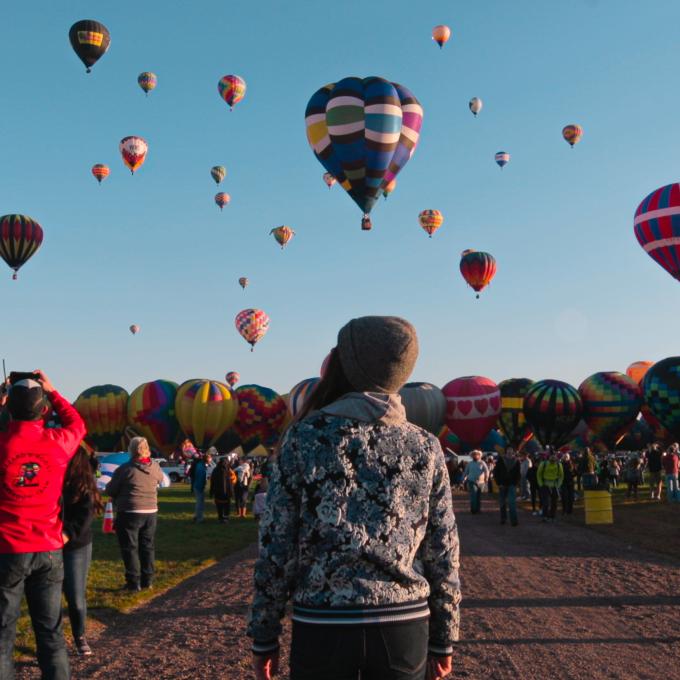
(567, 498)
(136, 532)
(379, 652)
(549, 501)
(40, 576)
(76, 566)
(223, 509)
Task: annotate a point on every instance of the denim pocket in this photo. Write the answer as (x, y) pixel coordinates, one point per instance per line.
(406, 645)
(56, 568)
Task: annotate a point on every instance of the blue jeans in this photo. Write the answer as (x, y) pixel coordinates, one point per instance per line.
(507, 498)
(40, 576)
(475, 497)
(136, 532)
(76, 566)
(672, 492)
(200, 504)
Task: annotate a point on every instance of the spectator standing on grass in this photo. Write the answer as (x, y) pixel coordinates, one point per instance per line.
(533, 486)
(506, 474)
(670, 466)
(198, 476)
(134, 490)
(222, 483)
(587, 468)
(654, 466)
(244, 475)
(613, 472)
(550, 476)
(524, 467)
(33, 462)
(491, 464)
(359, 520)
(567, 488)
(633, 477)
(476, 476)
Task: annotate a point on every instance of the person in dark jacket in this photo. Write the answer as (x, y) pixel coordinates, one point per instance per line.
(134, 490)
(198, 474)
(533, 484)
(567, 491)
(654, 467)
(222, 489)
(80, 501)
(506, 474)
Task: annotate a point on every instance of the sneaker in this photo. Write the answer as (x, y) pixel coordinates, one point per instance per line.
(131, 587)
(82, 648)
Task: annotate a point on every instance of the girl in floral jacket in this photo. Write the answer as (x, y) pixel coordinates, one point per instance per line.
(358, 527)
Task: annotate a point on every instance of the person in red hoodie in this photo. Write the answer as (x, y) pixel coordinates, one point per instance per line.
(33, 461)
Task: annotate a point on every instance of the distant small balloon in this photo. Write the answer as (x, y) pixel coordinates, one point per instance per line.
(329, 179)
(100, 172)
(431, 220)
(441, 35)
(572, 134)
(222, 199)
(133, 150)
(134, 329)
(282, 234)
(218, 173)
(147, 81)
(243, 282)
(232, 378)
(502, 158)
(476, 105)
(232, 89)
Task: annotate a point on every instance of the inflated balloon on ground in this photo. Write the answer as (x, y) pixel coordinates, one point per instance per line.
(261, 415)
(512, 420)
(425, 405)
(104, 410)
(638, 369)
(553, 409)
(298, 395)
(151, 414)
(472, 407)
(661, 388)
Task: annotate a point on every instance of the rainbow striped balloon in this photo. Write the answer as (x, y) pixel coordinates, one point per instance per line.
(431, 220)
(553, 409)
(299, 394)
(104, 410)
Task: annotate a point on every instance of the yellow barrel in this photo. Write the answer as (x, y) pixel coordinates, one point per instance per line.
(598, 507)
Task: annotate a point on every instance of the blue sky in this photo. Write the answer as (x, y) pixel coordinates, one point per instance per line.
(574, 292)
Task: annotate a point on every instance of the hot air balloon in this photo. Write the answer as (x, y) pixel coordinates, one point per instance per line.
(572, 134)
(147, 81)
(252, 324)
(232, 89)
(473, 405)
(441, 35)
(104, 410)
(389, 188)
(134, 329)
(661, 388)
(243, 282)
(611, 403)
(261, 415)
(100, 172)
(133, 150)
(511, 420)
(151, 413)
(659, 432)
(218, 173)
(109, 464)
(363, 131)
(205, 410)
(222, 199)
(638, 369)
(502, 158)
(657, 227)
(553, 409)
(476, 105)
(89, 40)
(299, 394)
(324, 364)
(425, 405)
(20, 237)
(431, 220)
(232, 378)
(477, 268)
(282, 234)
(329, 179)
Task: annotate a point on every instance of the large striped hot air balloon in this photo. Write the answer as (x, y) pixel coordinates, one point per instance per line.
(363, 131)
(89, 40)
(20, 237)
(151, 413)
(572, 134)
(477, 268)
(261, 416)
(205, 410)
(638, 369)
(472, 407)
(425, 405)
(104, 410)
(252, 324)
(553, 409)
(430, 220)
(611, 403)
(232, 89)
(657, 227)
(661, 388)
(512, 421)
(299, 394)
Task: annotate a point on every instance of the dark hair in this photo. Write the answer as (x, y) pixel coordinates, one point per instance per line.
(26, 403)
(80, 482)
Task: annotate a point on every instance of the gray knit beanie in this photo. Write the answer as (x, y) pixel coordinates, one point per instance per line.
(377, 353)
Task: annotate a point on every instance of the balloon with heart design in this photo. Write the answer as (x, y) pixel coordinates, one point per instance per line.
(473, 404)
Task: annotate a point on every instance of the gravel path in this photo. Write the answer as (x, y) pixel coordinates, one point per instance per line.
(540, 601)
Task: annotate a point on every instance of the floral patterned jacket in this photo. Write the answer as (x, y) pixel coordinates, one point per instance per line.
(358, 528)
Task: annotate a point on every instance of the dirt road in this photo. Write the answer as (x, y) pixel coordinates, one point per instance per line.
(540, 601)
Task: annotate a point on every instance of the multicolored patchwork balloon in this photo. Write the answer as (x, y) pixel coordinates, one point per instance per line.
(473, 405)
(661, 388)
(89, 40)
(425, 405)
(611, 403)
(133, 150)
(659, 432)
(441, 35)
(475, 105)
(147, 81)
(502, 158)
(300, 393)
(104, 410)
(261, 415)
(100, 172)
(151, 414)
(20, 238)
(638, 369)
(218, 173)
(222, 199)
(553, 409)
(282, 234)
(430, 220)
(657, 227)
(363, 131)
(205, 410)
(477, 268)
(232, 89)
(512, 420)
(252, 324)
(572, 134)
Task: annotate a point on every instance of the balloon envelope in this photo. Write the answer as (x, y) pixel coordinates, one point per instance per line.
(637, 370)
(572, 134)
(473, 405)
(151, 413)
(218, 173)
(299, 394)
(502, 158)
(232, 378)
(222, 199)
(282, 234)
(553, 409)
(441, 34)
(329, 179)
(476, 105)
(104, 410)
(20, 238)
(243, 282)
(100, 172)
(425, 405)
(232, 89)
(430, 220)
(512, 420)
(89, 40)
(478, 269)
(147, 81)
(261, 415)
(252, 324)
(133, 150)
(661, 388)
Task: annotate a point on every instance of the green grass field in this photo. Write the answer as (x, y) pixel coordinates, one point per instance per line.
(182, 549)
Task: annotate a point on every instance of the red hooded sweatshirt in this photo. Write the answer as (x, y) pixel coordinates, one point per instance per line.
(33, 461)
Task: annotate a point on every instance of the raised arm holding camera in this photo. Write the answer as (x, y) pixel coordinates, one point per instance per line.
(33, 462)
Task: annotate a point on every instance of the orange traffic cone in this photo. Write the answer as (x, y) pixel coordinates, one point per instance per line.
(107, 526)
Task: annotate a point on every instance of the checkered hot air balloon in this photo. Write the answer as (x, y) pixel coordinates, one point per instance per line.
(430, 220)
(363, 131)
(477, 268)
(572, 134)
(133, 150)
(661, 388)
(252, 324)
(282, 234)
(232, 89)
(472, 407)
(553, 409)
(261, 416)
(100, 172)
(20, 238)
(657, 227)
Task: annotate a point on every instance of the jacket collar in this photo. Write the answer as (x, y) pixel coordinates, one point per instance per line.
(368, 407)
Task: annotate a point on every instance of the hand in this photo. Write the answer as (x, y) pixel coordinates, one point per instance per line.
(267, 666)
(44, 381)
(438, 667)
(65, 538)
